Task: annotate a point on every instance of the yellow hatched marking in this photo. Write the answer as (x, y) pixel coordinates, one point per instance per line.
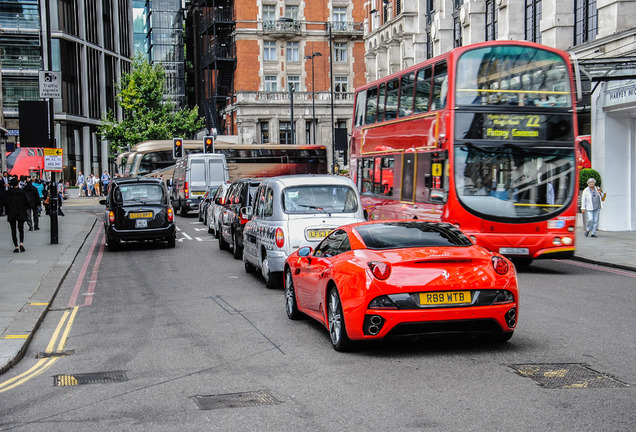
(15, 337)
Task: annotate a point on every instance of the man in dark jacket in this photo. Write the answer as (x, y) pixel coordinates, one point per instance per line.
(17, 202)
(32, 212)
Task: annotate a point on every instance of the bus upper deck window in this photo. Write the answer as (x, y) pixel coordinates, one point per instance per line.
(372, 105)
(423, 90)
(440, 86)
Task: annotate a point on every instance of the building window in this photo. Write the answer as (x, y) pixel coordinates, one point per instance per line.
(491, 20)
(293, 80)
(291, 12)
(269, 51)
(269, 17)
(341, 85)
(271, 83)
(340, 52)
(429, 45)
(430, 11)
(308, 132)
(398, 7)
(264, 132)
(339, 18)
(533, 20)
(457, 32)
(284, 132)
(67, 10)
(586, 21)
(293, 48)
(70, 61)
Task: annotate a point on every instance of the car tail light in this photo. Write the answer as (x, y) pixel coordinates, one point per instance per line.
(280, 237)
(170, 214)
(500, 265)
(186, 191)
(380, 270)
(111, 217)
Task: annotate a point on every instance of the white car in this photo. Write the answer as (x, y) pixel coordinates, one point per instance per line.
(294, 211)
(215, 209)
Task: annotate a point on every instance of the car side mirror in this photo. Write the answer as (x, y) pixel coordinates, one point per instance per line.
(365, 214)
(304, 251)
(247, 212)
(103, 202)
(438, 196)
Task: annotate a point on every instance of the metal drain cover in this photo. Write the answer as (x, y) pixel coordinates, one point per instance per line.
(89, 378)
(235, 400)
(567, 376)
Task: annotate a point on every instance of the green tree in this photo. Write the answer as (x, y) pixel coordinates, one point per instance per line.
(146, 115)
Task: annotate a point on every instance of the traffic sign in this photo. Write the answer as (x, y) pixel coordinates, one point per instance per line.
(53, 159)
(50, 84)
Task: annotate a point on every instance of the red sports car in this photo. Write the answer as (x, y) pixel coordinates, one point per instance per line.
(386, 279)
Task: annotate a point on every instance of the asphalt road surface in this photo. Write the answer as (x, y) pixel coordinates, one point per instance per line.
(153, 338)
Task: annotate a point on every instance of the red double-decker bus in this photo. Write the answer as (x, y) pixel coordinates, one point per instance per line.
(482, 137)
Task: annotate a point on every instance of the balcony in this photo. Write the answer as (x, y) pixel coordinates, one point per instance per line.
(349, 28)
(219, 52)
(282, 28)
(282, 98)
(19, 22)
(21, 62)
(216, 16)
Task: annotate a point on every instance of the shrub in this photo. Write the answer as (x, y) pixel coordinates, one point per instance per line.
(584, 176)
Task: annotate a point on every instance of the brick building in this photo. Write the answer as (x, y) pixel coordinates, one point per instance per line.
(248, 55)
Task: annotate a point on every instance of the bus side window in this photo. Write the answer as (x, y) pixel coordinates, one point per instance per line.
(423, 90)
(372, 105)
(361, 99)
(381, 101)
(367, 176)
(406, 95)
(392, 94)
(440, 86)
(387, 167)
(377, 176)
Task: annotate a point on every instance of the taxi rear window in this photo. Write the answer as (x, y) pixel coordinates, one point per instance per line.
(138, 193)
(393, 235)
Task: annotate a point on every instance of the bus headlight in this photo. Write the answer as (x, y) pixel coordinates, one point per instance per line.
(557, 241)
(567, 241)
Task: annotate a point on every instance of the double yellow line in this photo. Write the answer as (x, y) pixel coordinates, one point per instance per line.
(45, 363)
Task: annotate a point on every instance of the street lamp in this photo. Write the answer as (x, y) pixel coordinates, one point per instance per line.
(313, 92)
(291, 102)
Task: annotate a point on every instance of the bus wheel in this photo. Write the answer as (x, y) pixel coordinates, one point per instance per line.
(522, 262)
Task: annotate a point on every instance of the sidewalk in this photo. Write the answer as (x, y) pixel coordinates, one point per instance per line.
(30, 280)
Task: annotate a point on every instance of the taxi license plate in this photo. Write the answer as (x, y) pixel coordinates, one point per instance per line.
(140, 215)
(444, 298)
(197, 193)
(315, 234)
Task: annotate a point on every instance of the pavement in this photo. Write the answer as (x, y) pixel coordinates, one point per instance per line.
(29, 281)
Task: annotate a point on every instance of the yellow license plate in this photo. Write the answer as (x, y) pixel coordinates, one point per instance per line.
(198, 193)
(446, 297)
(314, 234)
(142, 215)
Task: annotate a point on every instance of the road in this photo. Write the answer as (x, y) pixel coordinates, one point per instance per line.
(149, 335)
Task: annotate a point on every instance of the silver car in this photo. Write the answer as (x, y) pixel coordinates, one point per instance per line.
(294, 211)
(215, 209)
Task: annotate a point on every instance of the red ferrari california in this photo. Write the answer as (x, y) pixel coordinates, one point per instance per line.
(391, 279)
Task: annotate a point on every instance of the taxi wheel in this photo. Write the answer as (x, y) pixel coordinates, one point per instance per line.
(335, 317)
(271, 279)
(112, 245)
(182, 211)
(249, 268)
(290, 297)
(223, 245)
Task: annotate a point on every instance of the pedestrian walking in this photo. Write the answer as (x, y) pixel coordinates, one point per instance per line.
(17, 204)
(90, 184)
(105, 182)
(80, 183)
(33, 217)
(4, 187)
(591, 205)
(60, 197)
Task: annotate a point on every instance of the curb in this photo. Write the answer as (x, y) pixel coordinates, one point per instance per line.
(31, 315)
(606, 264)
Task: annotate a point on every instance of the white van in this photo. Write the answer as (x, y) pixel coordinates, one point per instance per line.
(193, 174)
(294, 211)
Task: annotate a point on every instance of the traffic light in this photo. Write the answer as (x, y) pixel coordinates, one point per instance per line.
(208, 144)
(177, 147)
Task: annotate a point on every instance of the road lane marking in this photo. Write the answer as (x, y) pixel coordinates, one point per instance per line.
(186, 236)
(80, 278)
(45, 363)
(93, 281)
(601, 268)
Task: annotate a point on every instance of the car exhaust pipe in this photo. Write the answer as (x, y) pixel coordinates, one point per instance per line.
(374, 330)
(511, 318)
(374, 324)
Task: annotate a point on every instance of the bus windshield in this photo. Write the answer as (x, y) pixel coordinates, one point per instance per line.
(512, 75)
(514, 182)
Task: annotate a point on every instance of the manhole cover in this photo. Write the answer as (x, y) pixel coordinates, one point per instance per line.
(89, 378)
(567, 376)
(235, 400)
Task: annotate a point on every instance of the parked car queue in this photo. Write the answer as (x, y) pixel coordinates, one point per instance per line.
(363, 280)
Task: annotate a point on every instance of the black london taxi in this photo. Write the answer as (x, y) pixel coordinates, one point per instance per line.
(138, 209)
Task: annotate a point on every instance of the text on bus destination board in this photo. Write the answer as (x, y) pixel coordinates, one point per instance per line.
(512, 126)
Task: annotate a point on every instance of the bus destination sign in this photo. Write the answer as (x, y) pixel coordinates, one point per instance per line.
(513, 127)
